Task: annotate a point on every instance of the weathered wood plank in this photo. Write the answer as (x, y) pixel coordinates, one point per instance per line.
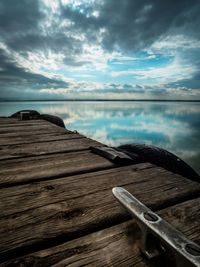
(50, 166)
(8, 120)
(26, 128)
(15, 121)
(81, 212)
(36, 149)
(115, 246)
(34, 133)
(16, 140)
(22, 123)
(29, 128)
(35, 195)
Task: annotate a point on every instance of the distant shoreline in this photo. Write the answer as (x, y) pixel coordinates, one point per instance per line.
(95, 100)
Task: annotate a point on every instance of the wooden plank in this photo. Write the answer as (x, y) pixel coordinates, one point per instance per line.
(16, 140)
(34, 133)
(35, 195)
(76, 210)
(29, 128)
(36, 149)
(22, 123)
(50, 166)
(115, 246)
(8, 120)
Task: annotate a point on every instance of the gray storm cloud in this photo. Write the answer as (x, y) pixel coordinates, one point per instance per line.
(29, 27)
(132, 24)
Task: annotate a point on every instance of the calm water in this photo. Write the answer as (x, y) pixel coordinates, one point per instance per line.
(173, 126)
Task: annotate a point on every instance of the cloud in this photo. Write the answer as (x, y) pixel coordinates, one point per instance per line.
(65, 25)
(31, 27)
(15, 78)
(96, 48)
(19, 16)
(133, 25)
(173, 42)
(185, 51)
(173, 72)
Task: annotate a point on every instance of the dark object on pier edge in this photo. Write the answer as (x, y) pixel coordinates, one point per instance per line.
(160, 157)
(53, 119)
(33, 114)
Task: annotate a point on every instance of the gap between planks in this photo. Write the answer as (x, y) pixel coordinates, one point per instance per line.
(50, 167)
(41, 193)
(23, 123)
(36, 149)
(38, 138)
(31, 128)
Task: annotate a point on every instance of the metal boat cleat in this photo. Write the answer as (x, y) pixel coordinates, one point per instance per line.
(158, 236)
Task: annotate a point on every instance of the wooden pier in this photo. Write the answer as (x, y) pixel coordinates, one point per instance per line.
(56, 204)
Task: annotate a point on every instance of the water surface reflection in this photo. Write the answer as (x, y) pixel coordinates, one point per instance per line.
(174, 126)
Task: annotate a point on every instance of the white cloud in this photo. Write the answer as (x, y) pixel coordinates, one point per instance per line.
(175, 42)
(122, 58)
(96, 56)
(53, 5)
(173, 72)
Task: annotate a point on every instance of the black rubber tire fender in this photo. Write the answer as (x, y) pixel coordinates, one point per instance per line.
(33, 114)
(161, 157)
(36, 115)
(53, 119)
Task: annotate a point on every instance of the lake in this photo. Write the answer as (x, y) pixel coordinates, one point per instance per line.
(174, 126)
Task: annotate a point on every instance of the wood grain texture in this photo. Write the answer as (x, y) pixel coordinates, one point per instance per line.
(34, 195)
(26, 170)
(6, 120)
(29, 128)
(114, 246)
(87, 205)
(15, 128)
(17, 122)
(37, 131)
(36, 149)
(28, 139)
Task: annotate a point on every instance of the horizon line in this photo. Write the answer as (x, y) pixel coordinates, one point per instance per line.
(100, 100)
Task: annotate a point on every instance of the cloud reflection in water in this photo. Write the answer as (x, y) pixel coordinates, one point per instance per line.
(174, 126)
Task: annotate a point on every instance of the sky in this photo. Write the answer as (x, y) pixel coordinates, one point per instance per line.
(100, 49)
